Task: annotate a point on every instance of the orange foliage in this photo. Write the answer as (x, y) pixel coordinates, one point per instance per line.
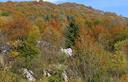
(17, 28)
(124, 78)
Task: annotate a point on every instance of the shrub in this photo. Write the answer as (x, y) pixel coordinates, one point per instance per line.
(5, 13)
(71, 34)
(55, 78)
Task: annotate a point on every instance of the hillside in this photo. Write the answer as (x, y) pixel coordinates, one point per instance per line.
(68, 42)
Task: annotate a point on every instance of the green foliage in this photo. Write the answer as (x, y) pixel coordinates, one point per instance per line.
(118, 65)
(62, 58)
(55, 78)
(120, 44)
(71, 34)
(5, 13)
(6, 76)
(28, 51)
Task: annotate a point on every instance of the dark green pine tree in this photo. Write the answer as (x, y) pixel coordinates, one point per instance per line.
(71, 34)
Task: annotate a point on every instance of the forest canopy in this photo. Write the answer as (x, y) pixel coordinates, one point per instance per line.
(32, 35)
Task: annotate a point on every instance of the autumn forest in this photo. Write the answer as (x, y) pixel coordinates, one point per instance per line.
(68, 42)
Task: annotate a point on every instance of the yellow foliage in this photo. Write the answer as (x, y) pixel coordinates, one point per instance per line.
(75, 80)
(3, 21)
(14, 53)
(6, 76)
(15, 43)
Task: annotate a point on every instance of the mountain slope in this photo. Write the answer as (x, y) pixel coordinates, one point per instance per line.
(61, 42)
